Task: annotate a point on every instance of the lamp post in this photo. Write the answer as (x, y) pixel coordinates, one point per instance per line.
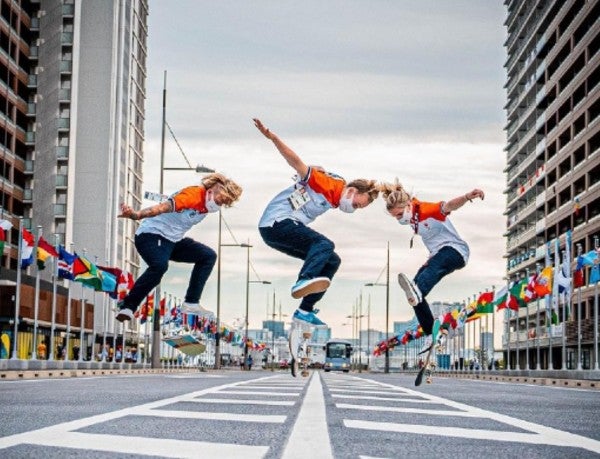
(356, 326)
(387, 306)
(199, 169)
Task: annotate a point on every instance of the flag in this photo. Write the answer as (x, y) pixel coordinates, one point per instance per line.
(543, 282)
(65, 264)
(163, 306)
(44, 251)
(27, 245)
(485, 303)
(530, 293)
(146, 310)
(87, 273)
(516, 299)
(5, 225)
(500, 297)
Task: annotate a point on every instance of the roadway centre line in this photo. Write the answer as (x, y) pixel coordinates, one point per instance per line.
(310, 429)
(541, 434)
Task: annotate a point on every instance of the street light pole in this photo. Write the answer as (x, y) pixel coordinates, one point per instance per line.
(246, 366)
(387, 306)
(218, 334)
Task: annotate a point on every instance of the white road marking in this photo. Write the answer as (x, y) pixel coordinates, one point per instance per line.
(258, 392)
(394, 409)
(310, 432)
(149, 446)
(272, 419)
(539, 434)
(64, 435)
(238, 401)
(385, 399)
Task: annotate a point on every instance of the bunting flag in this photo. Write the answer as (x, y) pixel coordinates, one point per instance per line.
(44, 251)
(27, 246)
(65, 264)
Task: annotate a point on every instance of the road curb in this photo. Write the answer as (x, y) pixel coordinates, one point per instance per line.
(541, 381)
(78, 373)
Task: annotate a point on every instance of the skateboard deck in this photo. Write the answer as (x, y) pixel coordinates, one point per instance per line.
(298, 343)
(187, 344)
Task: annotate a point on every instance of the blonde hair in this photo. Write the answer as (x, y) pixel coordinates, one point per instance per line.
(364, 186)
(394, 195)
(229, 190)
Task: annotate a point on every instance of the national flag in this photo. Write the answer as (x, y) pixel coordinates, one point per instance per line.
(530, 293)
(485, 303)
(5, 225)
(500, 297)
(163, 306)
(87, 273)
(44, 251)
(146, 310)
(65, 264)
(516, 291)
(27, 246)
(543, 282)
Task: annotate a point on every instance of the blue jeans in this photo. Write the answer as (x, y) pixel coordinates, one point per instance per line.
(299, 241)
(156, 251)
(441, 264)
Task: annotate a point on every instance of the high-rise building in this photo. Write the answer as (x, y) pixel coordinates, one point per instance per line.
(72, 96)
(552, 156)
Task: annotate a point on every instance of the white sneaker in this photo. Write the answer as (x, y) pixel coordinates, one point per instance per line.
(413, 294)
(196, 309)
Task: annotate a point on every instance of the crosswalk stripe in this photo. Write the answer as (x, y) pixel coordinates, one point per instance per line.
(273, 419)
(395, 409)
(164, 447)
(257, 392)
(385, 399)
(238, 401)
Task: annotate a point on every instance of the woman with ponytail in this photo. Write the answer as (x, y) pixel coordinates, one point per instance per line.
(447, 250)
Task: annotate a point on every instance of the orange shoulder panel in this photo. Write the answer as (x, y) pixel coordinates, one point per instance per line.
(191, 197)
(329, 185)
(430, 210)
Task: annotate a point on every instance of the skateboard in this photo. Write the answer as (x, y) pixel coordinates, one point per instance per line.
(429, 366)
(298, 343)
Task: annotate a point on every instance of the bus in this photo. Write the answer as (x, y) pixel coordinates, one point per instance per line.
(337, 355)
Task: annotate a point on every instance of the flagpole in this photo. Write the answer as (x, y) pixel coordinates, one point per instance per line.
(564, 321)
(596, 367)
(549, 316)
(36, 301)
(527, 366)
(81, 333)
(53, 321)
(94, 304)
(579, 251)
(18, 289)
(537, 324)
(105, 302)
(69, 301)
(494, 330)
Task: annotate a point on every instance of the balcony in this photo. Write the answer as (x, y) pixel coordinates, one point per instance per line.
(27, 195)
(64, 95)
(34, 52)
(35, 24)
(62, 152)
(31, 109)
(63, 124)
(66, 38)
(60, 210)
(68, 10)
(30, 138)
(32, 81)
(28, 166)
(61, 181)
(66, 66)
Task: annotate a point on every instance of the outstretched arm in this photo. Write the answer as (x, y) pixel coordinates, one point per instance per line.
(288, 154)
(460, 201)
(152, 211)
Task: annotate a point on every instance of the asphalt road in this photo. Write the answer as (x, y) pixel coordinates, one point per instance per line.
(272, 415)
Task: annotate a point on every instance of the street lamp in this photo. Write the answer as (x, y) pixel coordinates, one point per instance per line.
(387, 306)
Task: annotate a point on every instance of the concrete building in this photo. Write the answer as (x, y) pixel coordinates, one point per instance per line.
(552, 156)
(73, 103)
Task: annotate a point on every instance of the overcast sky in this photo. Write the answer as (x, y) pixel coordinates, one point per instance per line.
(373, 89)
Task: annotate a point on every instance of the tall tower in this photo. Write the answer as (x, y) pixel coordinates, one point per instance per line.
(553, 143)
(89, 124)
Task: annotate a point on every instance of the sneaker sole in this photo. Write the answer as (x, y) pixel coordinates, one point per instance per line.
(314, 287)
(307, 324)
(405, 285)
